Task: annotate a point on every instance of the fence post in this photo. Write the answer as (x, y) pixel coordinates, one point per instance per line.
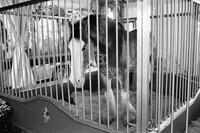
(143, 43)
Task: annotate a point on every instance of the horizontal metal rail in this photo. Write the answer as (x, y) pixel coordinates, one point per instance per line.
(22, 4)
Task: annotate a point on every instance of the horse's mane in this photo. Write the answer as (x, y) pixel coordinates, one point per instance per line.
(93, 28)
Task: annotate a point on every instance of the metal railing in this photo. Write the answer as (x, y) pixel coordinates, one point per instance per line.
(155, 62)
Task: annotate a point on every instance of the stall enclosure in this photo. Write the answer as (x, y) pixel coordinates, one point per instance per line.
(101, 66)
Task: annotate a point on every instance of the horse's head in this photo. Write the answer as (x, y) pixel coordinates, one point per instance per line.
(77, 51)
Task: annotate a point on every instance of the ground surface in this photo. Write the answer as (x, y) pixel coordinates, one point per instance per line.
(103, 114)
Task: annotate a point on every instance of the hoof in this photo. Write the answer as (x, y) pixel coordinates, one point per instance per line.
(104, 118)
(132, 118)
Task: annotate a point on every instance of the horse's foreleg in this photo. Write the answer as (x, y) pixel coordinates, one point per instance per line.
(110, 96)
(109, 93)
(125, 102)
(124, 93)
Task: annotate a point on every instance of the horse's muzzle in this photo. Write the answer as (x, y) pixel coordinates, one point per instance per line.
(78, 84)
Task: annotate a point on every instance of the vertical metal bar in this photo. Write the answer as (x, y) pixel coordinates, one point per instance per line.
(49, 47)
(157, 59)
(72, 5)
(17, 32)
(8, 59)
(33, 43)
(98, 68)
(173, 67)
(22, 48)
(89, 44)
(128, 62)
(143, 32)
(57, 56)
(7, 50)
(177, 55)
(54, 51)
(184, 51)
(167, 57)
(107, 76)
(198, 54)
(117, 61)
(28, 54)
(50, 51)
(37, 49)
(61, 54)
(82, 87)
(14, 77)
(152, 60)
(25, 41)
(21, 51)
(65, 41)
(8, 47)
(160, 54)
(17, 39)
(11, 51)
(173, 60)
(181, 52)
(4, 56)
(5, 60)
(170, 62)
(66, 56)
(47, 58)
(43, 53)
(191, 57)
(18, 14)
(31, 54)
(10, 66)
(162, 58)
(197, 71)
(197, 48)
(189, 52)
(2, 60)
(193, 51)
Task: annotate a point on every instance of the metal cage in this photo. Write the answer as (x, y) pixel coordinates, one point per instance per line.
(149, 46)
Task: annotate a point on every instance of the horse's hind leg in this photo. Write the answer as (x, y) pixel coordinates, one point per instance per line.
(125, 101)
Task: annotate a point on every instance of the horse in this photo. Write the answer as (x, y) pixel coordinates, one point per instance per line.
(122, 54)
